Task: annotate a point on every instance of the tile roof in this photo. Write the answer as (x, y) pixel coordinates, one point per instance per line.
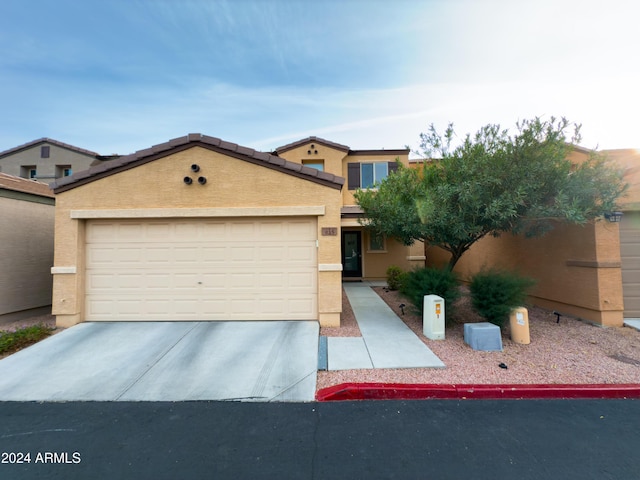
(24, 185)
(337, 146)
(304, 141)
(52, 142)
(195, 139)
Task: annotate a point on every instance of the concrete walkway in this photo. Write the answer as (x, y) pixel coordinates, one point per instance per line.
(386, 341)
(632, 322)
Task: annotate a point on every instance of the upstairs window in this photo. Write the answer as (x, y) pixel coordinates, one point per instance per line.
(28, 171)
(372, 173)
(63, 171)
(367, 174)
(45, 151)
(317, 164)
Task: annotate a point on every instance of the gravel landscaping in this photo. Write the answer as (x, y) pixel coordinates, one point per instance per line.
(568, 352)
(571, 351)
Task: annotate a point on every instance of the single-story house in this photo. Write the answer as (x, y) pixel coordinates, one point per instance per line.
(27, 212)
(198, 228)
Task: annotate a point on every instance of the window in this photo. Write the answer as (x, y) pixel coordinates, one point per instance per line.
(63, 171)
(28, 171)
(317, 164)
(366, 175)
(372, 173)
(45, 151)
(376, 243)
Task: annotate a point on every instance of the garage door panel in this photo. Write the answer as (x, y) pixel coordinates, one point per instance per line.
(248, 269)
(242, 254)
(213, 255)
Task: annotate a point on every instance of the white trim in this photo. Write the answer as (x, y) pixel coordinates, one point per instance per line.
(310, 210)
(415, 258)
(63, 270)
(330, 267)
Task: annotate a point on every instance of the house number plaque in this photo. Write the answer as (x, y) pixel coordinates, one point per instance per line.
(329, 231)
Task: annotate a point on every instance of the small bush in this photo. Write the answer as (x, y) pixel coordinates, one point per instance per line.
(431, 281)
(494, 294)
(395, 277)
(13, 341)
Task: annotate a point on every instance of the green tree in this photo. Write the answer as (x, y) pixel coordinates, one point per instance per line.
(492, 182)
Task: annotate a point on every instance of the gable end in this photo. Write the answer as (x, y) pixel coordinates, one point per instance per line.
(176, 145)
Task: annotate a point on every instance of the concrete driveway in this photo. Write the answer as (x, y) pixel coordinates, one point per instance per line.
(167, 361)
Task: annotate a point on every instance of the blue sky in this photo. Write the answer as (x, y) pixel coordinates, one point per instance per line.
(115, 76)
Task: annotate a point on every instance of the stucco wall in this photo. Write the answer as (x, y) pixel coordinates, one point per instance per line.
(577, 269)
(26, 237)
(45, 167)
(231, 183)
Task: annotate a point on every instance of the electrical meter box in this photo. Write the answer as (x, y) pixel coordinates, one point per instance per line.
(433, 317)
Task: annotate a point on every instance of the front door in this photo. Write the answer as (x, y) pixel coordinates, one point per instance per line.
(351, 254)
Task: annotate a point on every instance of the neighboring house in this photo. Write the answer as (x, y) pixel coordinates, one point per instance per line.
(27, 212)
(579, 269)
(629, 161)
(46, 160)
(202, 229)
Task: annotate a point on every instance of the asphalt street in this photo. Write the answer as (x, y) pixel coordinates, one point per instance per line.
(439, 439)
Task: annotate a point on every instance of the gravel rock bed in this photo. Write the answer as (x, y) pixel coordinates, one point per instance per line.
(47, 320)
(571, 351)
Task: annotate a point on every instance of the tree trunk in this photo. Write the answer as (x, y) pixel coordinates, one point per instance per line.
(424, 246)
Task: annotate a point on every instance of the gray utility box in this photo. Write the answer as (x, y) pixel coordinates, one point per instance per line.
(433, 317)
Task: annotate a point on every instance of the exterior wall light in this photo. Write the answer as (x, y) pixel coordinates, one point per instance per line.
(202, 180)
(613, 217)
(195, 168)
(187, 180)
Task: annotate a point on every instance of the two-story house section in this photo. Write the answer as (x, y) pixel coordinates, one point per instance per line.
(46, 159)
(364, 255)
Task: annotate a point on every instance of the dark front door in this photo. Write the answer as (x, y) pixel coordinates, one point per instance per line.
(351, 254)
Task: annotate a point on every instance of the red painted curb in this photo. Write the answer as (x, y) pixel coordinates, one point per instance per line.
(408, 391)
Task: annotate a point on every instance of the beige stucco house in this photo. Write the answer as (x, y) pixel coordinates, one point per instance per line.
(46, 159)
(629, 161)
(202, 229)
(26, 237)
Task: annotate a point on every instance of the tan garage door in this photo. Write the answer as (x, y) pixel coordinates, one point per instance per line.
(630, 256)
(202, 269)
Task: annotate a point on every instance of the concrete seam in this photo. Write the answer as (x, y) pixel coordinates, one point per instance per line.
(155, 362)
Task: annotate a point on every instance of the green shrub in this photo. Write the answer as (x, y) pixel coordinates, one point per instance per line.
(431, 281)
(395, 277)
(494, 294)
(12, 341)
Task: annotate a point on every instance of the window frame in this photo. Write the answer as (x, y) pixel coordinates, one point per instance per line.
(383, 243)
(314, 164)
(374, 173)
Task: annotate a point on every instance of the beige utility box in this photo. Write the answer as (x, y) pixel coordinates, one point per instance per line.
(519, 325)
(433, 317)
